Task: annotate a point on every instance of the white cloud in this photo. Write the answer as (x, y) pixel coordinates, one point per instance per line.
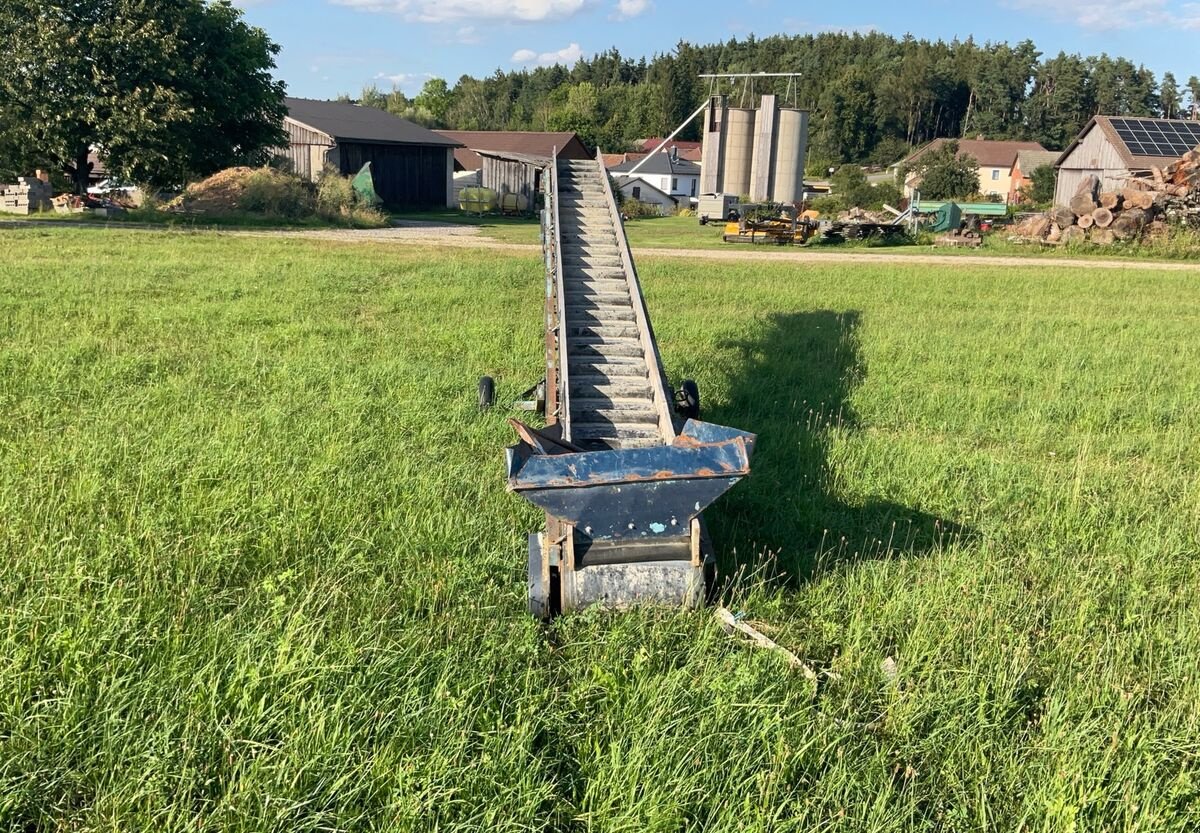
(467, 35)
(442, 11)
(567, 55)
(1117, 14)
(632, 8)
(409, 82)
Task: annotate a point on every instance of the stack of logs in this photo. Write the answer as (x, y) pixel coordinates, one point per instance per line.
(1140, 210)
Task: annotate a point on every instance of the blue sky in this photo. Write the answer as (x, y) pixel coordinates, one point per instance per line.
(334, 46)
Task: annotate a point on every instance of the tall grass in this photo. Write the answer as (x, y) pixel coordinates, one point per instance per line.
(260, 572)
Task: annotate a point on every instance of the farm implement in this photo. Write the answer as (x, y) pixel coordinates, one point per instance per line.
(624, 466)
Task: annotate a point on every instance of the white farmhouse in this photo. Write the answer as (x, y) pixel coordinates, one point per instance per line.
(665, 173)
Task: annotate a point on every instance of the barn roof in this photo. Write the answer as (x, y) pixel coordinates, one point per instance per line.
(354, 123)
(511, 156)
(528, 142)
(655, 142)
(659, 163)
(1132, 161)
(1031, 160)
(988, 153)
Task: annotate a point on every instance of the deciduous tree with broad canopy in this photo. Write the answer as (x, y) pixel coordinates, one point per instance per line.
(164, 91)
(945, 175)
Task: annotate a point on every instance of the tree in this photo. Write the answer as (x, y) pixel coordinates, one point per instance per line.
(436, 98)
(1168, 96)
(1193, 86)
(1061, 101)
(871, 96)
(850, 184)
(945, 175)
(1040, 190)
(164, 91)
(848, 104)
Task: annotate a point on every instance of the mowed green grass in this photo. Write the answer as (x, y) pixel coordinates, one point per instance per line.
(260, 571)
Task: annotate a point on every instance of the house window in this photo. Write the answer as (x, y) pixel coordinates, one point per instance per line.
(995, 173)
(674, 184)
(637, 192)
(693, 187)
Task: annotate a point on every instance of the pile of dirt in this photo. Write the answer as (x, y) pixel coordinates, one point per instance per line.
(224, 192)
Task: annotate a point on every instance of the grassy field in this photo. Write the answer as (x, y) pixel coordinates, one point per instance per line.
(261, 573)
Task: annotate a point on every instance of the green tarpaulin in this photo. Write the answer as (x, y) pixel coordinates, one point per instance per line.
(364, 186)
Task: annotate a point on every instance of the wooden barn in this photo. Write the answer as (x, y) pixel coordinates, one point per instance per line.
(411, 166)
(511, 161)
(1113, 147)
(512, 173)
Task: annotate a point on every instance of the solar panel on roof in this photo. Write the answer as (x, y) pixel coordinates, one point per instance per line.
(1157, 138)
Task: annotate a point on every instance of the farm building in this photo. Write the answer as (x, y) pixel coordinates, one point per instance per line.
(495, 157)
(636, 188)
(691, 151)
(1113, 147)
(512, 173)
(410, 165)
(666, 172)
(995, 158)
(1027, 162)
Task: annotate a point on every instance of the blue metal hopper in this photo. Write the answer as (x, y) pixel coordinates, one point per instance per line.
(634, 493)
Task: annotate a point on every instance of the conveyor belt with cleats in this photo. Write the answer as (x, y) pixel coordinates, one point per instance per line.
(611, 396)
(623, 479)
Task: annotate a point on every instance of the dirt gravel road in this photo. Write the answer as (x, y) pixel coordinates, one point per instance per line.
(418, 233)
(445, 234)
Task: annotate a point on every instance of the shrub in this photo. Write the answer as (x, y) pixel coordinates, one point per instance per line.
(337, 201)
(275, 194)
(636, 208)
(335, 193)
(885, 192)
(828, 206)
(1040, 190)
(685, 212)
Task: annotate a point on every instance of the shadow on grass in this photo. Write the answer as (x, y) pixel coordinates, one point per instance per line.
(793, 389)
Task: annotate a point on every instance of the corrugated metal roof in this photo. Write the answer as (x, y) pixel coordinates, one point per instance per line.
(354, 123)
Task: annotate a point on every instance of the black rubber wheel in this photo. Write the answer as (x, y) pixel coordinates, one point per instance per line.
(487, 392)
(687, 400)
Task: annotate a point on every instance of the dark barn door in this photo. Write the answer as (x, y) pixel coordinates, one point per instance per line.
(404, 174)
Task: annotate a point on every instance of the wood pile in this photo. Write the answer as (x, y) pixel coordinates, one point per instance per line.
(1143, 209)
(28, 196)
